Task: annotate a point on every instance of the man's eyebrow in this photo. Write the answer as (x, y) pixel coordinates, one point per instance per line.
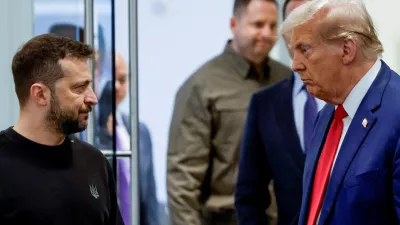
(125, 75)
(81, 83)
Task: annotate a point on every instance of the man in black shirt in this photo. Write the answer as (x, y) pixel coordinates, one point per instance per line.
(46, 175)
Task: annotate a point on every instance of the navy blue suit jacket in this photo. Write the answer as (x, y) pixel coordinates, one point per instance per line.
(364, 186)
(270, 150)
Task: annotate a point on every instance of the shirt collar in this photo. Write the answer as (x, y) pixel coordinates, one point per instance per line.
(240, 64)
(357, 94)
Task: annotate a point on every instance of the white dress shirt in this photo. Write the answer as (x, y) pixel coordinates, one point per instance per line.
(299, 101)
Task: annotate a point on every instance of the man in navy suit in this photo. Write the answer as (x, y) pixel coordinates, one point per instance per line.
(277, 134)
(352, 170)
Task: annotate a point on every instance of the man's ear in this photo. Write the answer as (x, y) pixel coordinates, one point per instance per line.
(233, 24)
(40, 93)
(349, 51)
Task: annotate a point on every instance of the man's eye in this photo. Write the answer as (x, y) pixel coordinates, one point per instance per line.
(304, 49)
(80, 89)
(259, 24)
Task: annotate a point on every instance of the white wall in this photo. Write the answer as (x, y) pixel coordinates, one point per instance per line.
(175, 37)
(16, 22)
(385, 15)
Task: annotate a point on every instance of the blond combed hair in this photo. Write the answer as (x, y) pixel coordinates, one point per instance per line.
(338, 19)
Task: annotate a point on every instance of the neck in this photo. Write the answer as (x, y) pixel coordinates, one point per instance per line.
(36, 130)
(257, 63)
(353, 75)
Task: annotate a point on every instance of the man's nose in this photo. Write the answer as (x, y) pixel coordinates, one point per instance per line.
(91, 98)
(268, 32)
(297, 64)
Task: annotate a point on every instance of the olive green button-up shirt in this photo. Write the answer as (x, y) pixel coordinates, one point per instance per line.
(205, 133)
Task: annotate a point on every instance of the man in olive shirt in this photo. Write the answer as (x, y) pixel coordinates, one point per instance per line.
(209, 116)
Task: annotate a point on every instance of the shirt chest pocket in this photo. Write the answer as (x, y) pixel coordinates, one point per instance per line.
(229, 118)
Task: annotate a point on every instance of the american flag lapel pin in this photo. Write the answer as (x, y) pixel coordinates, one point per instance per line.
(365, 122)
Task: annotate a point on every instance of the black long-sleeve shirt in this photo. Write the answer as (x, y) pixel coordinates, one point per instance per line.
(71, 183)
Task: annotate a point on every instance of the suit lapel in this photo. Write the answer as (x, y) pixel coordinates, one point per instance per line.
(285, 121)
(318, 139)
(354, 138)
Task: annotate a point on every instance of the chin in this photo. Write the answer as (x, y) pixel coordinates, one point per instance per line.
(316, 93)
(73, 126)
(83, 123)
(311, 89)
(82, 127)
(322, 96)
(84, 117)
(259, 58)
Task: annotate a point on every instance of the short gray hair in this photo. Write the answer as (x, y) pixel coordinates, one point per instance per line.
(347, 19)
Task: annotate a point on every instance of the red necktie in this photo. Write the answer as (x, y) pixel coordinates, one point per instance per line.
(324, 166)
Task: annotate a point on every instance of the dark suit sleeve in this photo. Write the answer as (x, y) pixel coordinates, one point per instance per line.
(252, 196)
(296, 219)
(148, 199)
(396, 182)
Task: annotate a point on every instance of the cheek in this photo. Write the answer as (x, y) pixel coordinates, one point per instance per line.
(319, 69)
(330, 68)
(259, 35)
(274, 38)
(75, 102)
(245, 40)
(328, 77)
(124, 88)
(322, 75)
(249, 33)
